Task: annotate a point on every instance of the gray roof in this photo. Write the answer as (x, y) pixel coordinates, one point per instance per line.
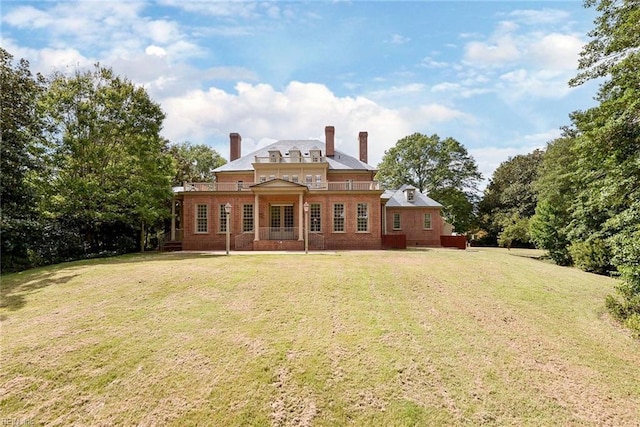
(398, 199)
(339, 161)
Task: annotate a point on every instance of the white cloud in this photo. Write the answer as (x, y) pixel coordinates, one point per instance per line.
(446, 87)
(436, 113)
(27, 17)
(489, 158)
(556, 51)
(429, 62)
(518, 62)
(161, 31)
(155, 51)
(535, 17)
(497, 52)
(522, 83)
(302, 110)
(59, 59)
(240, 9)
(397, 91)
(398, 39)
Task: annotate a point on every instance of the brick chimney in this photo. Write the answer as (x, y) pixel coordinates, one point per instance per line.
(329, 134)
(362, 137)
(235, 140)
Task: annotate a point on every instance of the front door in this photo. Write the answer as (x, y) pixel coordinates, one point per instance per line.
(281, 225)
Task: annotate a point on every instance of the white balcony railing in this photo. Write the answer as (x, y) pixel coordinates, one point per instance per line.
(300, 159)
(278, 233)
(314, 186)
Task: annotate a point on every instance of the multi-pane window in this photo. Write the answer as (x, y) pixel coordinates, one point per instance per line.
(316, 224)
(295, 178)
(318, 181)
(247, 218)
(338, 218)
(362, 217)
(285, 177)
(396, 222)
(223, 219)
(202, 219)
(309, 180)
(263, 178)
(427, 221)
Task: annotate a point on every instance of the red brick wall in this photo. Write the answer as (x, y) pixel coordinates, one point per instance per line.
(412, 224)
(345, 176)
(213, 240)
(245, 177)
(350, 239)
(459, 242)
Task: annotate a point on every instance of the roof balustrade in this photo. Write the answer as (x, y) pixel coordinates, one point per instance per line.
(313, 186)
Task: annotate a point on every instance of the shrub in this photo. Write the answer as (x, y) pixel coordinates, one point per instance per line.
(591, 255)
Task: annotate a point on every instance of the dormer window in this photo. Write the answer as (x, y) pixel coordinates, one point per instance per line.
(315, 155)
(410, 193)
(274, 156)
(294, 154)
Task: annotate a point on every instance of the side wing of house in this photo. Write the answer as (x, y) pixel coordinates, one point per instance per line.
(414, 215)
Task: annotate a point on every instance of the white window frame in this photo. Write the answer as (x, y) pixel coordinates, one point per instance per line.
(315, 213)
(247, 218)
(430, 222)
(339, 225)
(202, 218)
(397, 221)
(222, 216)
(411, 195)
(362, 218)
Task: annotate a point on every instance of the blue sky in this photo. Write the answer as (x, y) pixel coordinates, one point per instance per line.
(492, 74)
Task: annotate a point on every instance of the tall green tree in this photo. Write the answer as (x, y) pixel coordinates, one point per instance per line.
(550, 226)
(510, 196)
(605, 214)
(440, 167)
(195, 163)
(20, 135)
(110, 168)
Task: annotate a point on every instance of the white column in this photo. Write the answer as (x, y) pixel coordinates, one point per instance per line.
(300, 218)
(256, 218)
(384, 219)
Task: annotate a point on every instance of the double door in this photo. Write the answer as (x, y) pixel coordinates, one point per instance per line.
(281, 222)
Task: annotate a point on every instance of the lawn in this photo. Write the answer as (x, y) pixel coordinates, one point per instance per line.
(421, 337)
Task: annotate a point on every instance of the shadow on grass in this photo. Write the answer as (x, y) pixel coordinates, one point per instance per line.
(13, 292)
(16, 287)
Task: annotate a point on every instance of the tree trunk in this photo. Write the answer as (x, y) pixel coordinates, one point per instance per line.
(142, 236)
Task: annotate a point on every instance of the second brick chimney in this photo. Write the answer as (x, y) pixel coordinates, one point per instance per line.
(329, 139)
(235, 140)
(362, 137)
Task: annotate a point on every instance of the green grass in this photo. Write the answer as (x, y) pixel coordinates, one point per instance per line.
(424, 337)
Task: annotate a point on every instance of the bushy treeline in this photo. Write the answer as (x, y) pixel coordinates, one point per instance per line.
(586, 185)
(85, 171)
